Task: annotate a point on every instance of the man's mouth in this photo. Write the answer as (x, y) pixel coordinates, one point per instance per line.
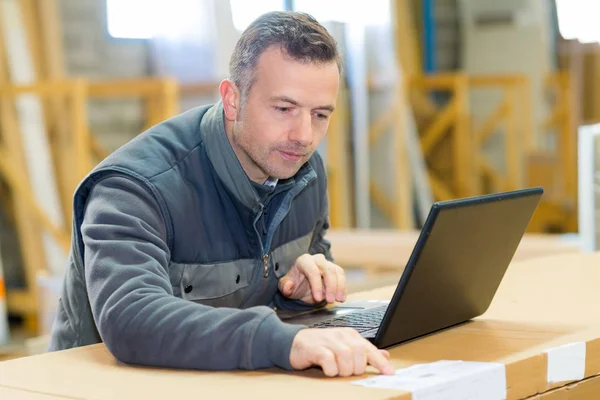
(292, 155)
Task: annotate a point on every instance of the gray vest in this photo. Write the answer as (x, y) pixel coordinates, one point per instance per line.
(219, 256)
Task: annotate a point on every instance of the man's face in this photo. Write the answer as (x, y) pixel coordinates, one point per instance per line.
(285, 116)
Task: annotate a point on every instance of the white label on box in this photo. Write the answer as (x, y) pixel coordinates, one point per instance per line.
(566, 363)
(448, 380)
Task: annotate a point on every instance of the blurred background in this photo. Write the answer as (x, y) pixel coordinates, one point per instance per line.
(440, 99)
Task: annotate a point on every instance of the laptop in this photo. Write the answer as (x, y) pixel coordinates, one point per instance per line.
(452, 275)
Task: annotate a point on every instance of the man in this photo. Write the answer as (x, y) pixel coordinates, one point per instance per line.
(188, 237)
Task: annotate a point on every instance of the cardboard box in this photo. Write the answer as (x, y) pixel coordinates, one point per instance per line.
(545, 309)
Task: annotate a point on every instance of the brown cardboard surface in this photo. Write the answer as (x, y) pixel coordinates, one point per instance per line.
(92, 373)
(587, 389)
(541, 304)
(7, 393)
(392, 248)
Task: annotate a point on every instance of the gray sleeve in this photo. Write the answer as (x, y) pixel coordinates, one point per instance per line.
(137, 316)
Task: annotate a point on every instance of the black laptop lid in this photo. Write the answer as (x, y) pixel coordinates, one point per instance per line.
(462, 254)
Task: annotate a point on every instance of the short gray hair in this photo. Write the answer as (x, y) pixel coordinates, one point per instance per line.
(298, 34)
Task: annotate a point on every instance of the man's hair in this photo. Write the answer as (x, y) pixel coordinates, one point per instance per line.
(299, 35)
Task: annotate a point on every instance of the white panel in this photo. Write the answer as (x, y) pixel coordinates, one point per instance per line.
(566, 363)
(589, 187)
(356, 70)
(447, 380)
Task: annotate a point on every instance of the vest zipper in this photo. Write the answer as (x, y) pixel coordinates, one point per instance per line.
(266, 265)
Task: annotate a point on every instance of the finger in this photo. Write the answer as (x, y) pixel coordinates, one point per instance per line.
(330, 277)
(341, 284)
(385, 353)
(282, 281)
(378, 360)
(345, 358)
(360, 358)
(312, 272)
(326, 360)
(288, 287)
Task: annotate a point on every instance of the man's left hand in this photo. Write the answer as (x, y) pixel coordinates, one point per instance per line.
(313, 279)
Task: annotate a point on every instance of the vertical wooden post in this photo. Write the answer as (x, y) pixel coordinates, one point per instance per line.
(512, 152)
(530, 133)
(53, 68)
(30, 240)
(336, 165)
(403, 210)
(80, 137)
(463, 160)
(169, 95)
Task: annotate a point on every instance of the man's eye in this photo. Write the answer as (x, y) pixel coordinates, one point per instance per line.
(322, 116)
(282, 109)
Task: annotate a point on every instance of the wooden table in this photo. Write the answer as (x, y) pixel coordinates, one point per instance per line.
(542, 304)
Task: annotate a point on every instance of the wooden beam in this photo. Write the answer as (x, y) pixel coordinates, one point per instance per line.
(487, 128)
(80, 140)
(337, 164)
(403, 186)
(125, 87)
(513, 148)
(199, 88)
(30, 240)
(53, 68)
(439, 188)
(439, 127)
(465, 169)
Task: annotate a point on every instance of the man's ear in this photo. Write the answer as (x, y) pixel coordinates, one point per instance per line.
(230, 95)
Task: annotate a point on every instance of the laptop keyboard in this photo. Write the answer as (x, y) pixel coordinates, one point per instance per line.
(360, 320)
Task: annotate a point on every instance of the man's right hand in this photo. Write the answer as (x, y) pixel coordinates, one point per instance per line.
(338, 351)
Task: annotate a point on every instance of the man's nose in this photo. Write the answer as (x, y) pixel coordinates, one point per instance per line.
(302, 132)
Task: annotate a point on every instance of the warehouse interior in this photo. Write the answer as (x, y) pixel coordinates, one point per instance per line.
(439, 100)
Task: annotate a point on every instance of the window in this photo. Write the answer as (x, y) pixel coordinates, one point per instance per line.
(372, 12)
(246, 11)
(143, 19)
(578, 19)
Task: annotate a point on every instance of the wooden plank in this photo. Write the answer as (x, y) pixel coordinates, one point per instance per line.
(465, 169)
(53, 68)
(30, 240)
(513, 148)
(32, 125)
(488, 127)
(338, 164)
(439, 127)
(403, 186)
(125, 87)
(80, 136)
